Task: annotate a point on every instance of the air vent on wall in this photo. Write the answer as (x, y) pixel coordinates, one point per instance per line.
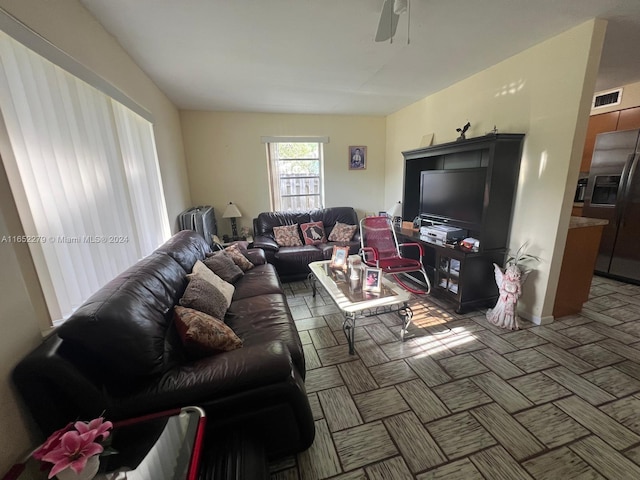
(606, 99)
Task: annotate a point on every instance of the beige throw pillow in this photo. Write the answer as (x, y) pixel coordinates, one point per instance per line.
(204, 272)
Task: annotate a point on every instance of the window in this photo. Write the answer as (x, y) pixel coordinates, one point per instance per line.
(84, 173)
(295, 174)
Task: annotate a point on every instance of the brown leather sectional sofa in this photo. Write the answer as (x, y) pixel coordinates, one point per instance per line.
(293, 262)
(120, 354)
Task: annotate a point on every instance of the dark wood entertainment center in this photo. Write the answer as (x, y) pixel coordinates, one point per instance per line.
(463, 276)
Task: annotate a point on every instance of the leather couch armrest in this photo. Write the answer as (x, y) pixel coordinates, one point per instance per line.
(54, 389)
(265, 243)
(256, 256)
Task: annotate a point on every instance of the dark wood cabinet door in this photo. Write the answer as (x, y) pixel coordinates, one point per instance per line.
(629, 119)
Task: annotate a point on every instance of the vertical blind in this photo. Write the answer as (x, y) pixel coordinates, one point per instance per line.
(84, 172)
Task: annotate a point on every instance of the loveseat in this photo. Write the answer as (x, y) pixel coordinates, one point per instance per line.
(120, 353)
(292, 262)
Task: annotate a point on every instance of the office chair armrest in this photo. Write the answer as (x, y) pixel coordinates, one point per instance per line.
(414, 244)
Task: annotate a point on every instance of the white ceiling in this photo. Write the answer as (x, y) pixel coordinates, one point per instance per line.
(319, 56)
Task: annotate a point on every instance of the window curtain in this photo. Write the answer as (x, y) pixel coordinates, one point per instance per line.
(84, 173)
(274, 176)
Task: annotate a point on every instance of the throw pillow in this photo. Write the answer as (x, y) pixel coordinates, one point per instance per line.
(204, 272)
(287, 235)
(342, 232)
(224, 267)
(201, 295)
(202, 334)
(313, 233)
(238, 257)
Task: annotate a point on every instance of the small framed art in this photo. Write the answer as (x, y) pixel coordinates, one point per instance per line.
(357, 158)
(339, 257)
(372, 279)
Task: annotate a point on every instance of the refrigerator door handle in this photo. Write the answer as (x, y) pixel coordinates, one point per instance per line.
(632, 162)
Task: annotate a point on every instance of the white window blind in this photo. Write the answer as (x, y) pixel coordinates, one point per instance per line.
(295, 173)
(84, 172)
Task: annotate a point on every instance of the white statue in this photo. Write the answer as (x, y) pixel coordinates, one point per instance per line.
(504, 314)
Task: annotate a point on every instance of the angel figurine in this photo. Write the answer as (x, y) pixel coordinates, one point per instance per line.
(504, 314)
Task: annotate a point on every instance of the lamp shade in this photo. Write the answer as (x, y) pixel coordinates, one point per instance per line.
(231, 211)
(396, 210)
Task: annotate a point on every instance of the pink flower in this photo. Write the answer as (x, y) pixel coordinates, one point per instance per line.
(52, 442)
(98, 426)
(73, 451)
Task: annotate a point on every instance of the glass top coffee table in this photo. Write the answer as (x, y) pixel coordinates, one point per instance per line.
(354, 302)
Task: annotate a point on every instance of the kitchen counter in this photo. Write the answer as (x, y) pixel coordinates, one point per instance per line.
(582, 222)
(578, 264)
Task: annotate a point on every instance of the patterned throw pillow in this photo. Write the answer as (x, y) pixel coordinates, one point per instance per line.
(342, 232)
(287, 235)
(313, 233)
(238, 257)
(204, 272)
(223, 266)
(203, 335)
(204, 297)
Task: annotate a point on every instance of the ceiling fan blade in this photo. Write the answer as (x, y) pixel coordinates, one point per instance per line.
(388, 22)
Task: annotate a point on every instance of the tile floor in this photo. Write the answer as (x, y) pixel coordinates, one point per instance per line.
(466, 400)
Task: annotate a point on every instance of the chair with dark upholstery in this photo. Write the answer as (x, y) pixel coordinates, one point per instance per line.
(380, 248)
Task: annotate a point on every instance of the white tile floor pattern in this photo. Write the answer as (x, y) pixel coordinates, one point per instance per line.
(466, 400)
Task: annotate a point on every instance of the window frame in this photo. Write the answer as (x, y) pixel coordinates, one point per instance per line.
(274, 161)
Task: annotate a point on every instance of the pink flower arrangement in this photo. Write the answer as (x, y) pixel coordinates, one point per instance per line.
(73, 445)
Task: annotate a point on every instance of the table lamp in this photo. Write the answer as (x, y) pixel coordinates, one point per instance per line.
(396, 214)
(232, 212)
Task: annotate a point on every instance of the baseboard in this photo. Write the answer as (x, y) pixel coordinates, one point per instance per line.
(535, 319)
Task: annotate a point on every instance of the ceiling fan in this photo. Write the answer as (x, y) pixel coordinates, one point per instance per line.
(389, 17)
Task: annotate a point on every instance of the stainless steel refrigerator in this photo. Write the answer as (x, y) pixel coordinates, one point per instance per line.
(613, 193)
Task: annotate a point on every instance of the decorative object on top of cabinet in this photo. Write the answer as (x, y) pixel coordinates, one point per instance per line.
(427, 140)
(505, 313)
(463, 131)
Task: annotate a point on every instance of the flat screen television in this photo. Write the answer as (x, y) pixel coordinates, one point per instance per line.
(455, 197)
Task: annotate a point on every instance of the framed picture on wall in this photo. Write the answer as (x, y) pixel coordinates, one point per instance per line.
(357, 157)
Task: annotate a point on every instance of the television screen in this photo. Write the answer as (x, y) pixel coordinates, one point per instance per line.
(453, 196)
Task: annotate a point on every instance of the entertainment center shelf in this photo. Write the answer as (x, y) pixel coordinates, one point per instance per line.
(469, 184)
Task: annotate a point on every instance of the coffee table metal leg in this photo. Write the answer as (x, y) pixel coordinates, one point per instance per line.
(406, 314)
(349, 327)
(312, 279)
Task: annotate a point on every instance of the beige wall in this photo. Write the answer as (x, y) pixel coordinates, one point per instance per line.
(19, 334)
(69, 26)
(543, 92)
(227, 161)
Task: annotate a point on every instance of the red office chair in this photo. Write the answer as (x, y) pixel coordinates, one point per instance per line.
(379, 248)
